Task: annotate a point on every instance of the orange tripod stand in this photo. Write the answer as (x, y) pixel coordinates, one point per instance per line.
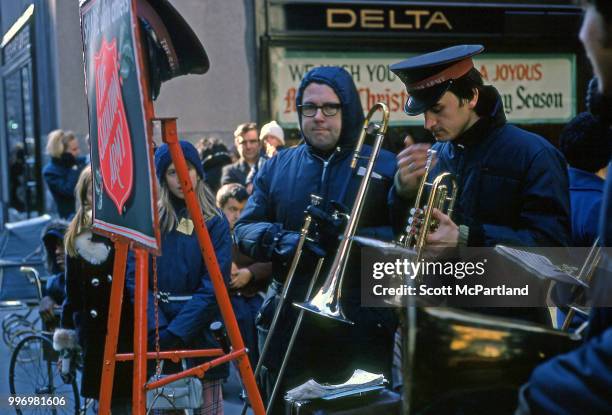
(140, 355)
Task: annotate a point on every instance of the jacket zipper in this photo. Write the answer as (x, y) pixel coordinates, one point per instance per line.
(325, 164)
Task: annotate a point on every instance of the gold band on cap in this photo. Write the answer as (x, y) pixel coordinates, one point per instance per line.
(454, 71)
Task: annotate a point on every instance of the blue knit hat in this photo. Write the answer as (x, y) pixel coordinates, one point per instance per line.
(163, 159)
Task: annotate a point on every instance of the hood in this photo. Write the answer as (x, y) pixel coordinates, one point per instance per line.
(342, 83)
(53, 232)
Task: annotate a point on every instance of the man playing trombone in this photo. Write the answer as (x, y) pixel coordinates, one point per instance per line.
(330, 116)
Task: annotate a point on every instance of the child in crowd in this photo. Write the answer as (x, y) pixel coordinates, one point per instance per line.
(186, 303)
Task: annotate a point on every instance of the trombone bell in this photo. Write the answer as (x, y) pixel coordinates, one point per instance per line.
(324, 305)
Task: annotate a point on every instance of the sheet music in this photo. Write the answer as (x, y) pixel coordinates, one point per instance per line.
(539, 265)
(314, 390)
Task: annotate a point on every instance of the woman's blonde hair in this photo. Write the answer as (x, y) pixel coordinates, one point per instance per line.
(57, 141)
(82, 220)
(168, 219)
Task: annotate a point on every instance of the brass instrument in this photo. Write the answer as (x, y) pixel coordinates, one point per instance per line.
(304, 232)
(326, 302)
(421, 222)
(456, 361)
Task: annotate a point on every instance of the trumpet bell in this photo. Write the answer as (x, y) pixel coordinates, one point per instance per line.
(325, 306)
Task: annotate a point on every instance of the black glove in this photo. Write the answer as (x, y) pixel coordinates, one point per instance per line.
(328, 227)
(286, 245)
(68, 160)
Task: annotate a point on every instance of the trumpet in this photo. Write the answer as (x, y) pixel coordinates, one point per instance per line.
(421, 222)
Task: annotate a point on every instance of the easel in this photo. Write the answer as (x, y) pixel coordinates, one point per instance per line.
(140, 355)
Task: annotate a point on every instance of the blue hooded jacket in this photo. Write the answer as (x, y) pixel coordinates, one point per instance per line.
(282, 190)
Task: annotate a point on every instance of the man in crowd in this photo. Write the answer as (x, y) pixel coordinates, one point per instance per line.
(584, 143)
(579, 382)
(330, 118)
(249, 147)
(249, 278)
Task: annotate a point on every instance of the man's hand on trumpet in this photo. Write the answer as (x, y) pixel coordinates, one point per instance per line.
(411, 163)
(446, 234)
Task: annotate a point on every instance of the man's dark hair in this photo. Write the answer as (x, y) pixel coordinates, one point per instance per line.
(585, 143)
(231, 191)
(244, 128)
(464, 87)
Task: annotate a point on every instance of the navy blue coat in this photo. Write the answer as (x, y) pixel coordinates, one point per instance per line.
(282, 190)
(513, 186)
(586, 191)
(181, 271)
(61, 176)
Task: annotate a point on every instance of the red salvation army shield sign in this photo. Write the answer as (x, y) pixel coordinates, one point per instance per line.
(114, 143)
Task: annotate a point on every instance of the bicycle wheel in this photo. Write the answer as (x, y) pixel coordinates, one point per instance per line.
(14, 325)
(33, 371)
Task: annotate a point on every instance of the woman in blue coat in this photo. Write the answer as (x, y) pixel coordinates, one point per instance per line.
(186, 299)
(63, 170)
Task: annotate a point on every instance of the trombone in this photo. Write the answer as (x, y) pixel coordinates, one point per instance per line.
(326, 302)
(304, 235)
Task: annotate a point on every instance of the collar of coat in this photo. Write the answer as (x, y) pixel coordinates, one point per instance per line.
(492, 116)
(93, 252)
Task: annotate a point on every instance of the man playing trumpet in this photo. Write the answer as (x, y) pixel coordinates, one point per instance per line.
(512, 183)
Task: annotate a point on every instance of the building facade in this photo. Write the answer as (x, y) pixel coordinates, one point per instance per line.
(259, 49)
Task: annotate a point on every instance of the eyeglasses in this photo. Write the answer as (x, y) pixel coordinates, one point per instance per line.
(329, 109)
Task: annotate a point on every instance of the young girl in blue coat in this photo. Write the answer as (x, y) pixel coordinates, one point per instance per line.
(186, 300)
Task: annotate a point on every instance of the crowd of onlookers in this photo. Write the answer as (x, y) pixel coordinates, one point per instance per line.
(81, 262)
